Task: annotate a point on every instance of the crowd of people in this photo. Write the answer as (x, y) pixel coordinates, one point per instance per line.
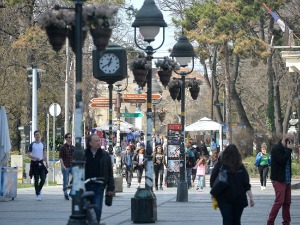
(200, 160)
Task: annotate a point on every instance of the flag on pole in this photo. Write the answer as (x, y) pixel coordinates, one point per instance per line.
(278, 20)
(288, 32)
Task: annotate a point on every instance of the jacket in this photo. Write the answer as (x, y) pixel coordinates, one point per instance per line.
(100, 165)
(239, 184)
(280, 156)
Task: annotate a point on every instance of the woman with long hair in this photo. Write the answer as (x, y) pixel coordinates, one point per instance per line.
(138, 161)
(233, 199)
(159, 161)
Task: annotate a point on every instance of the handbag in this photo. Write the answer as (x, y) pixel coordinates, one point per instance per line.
(221, 183)
(108, 200)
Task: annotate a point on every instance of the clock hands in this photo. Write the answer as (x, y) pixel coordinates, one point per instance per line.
(108, 64)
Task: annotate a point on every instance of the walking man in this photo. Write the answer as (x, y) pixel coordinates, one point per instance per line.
(98, 164)
(127, 162)
(38, 170)
(281, 174)
(66, 152)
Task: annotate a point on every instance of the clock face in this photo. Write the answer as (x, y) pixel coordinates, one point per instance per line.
(109, 63)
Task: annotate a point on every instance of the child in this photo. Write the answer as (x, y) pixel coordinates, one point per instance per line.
(200, 166)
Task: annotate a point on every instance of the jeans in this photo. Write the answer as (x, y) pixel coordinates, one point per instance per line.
(200, 181)
(66, 173)
(97, 199)
(139, 173)
(282, 199)
(128, 174)
(263, 173)
(159, 171)
(188, 176)
(39, 174)
(231, 213)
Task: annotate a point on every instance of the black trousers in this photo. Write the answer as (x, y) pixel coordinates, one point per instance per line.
(263, 173)
(39, 175)
(159, 171)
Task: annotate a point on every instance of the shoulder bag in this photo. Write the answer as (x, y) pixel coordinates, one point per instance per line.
(221, 183)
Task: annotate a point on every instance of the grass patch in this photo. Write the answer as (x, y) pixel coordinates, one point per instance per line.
(27, 185)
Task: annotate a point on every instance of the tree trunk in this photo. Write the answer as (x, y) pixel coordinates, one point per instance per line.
(248, 147)
(228, 95)
(270, 108)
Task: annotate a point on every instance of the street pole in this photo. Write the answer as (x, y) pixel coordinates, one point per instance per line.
(110, 144)
(183, 51)
(182, 188)
(78, 215)
(149, 149)
(67, 89)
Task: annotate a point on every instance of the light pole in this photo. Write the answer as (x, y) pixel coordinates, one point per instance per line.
(183, 51)
(149, 20)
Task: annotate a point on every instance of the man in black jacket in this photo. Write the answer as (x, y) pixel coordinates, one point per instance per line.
(98, 164)
(281, 174)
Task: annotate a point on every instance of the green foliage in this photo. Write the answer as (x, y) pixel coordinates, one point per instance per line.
(253, 171)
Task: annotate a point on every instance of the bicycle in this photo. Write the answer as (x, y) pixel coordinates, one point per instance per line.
(86, 197)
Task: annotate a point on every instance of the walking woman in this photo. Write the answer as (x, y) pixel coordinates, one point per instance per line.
(233, 199)
(263, 159)
(139, 163)
(159, 161)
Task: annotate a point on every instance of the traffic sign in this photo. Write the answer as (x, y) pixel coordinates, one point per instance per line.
(132, 115)
(140, 96)
(99, 105)
(94, 100)
(134, 100)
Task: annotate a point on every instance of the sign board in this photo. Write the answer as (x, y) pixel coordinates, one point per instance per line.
(96, 100)
(99, 105)
(134, 100)
(132, 115)
(140, 96)
(54, 109)
(173, 154)
(218, 103)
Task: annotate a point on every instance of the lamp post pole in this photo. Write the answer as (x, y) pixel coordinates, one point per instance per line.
(183, 51)
(78, 216)
(149, 20)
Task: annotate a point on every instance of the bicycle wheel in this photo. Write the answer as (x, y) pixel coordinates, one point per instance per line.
(91, 218)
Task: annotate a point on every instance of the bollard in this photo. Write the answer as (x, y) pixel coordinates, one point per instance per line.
(143, 206)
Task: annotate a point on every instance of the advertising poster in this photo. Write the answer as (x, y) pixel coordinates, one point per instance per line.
(173, 154)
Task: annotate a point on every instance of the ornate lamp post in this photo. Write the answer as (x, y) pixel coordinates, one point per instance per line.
(78, 215)
(183, 51)
(149, 20)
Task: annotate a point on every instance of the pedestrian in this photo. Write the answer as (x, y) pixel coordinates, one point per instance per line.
(233, 199)
(98, 164)
(263, 161)
(139, 164)
(213, 146)
(190, 163)
(66, 152)
(203, 149)
(197, 156)
(159, 162)
(38, 170)
(127, 162)
(200, 172)
(281, 174)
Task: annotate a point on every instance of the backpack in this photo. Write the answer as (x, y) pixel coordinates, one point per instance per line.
(190, 159)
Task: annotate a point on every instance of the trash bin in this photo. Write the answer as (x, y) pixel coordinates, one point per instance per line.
(143, 206)
(9, 180)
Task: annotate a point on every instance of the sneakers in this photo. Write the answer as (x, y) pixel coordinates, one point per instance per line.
(156, 188)
(67, 197)
(161, 188)
(128, 185)
(39, 198)
(197, 188)
(262, 188)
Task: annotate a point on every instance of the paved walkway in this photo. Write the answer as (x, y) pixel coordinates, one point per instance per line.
(53, 209)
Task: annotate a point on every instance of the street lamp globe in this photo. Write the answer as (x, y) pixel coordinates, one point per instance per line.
(149, 20)
(183, 51)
